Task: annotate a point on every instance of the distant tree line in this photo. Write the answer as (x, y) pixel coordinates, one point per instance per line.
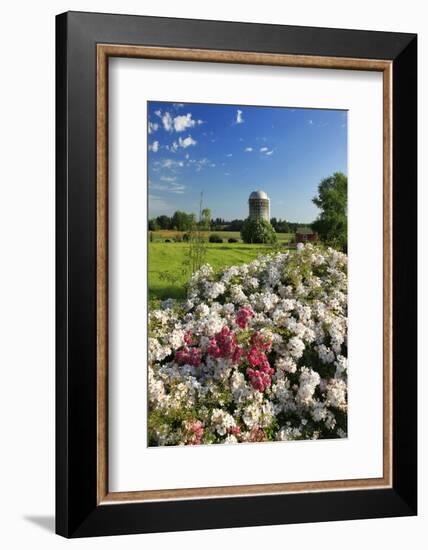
(182, 221)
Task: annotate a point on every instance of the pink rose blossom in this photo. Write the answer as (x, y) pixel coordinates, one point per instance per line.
(260, 371)
(188, 338)
(260, 341)
(188, 356)
(257, 434)
(196, 432)
(259, 380)
(235, 430)
(243, 316)
(224, 344)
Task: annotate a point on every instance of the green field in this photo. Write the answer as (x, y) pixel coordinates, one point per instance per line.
(170, 234)
(165, 260)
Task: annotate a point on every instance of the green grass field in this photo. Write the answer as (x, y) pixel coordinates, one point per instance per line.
(165, 261)
(163, 234)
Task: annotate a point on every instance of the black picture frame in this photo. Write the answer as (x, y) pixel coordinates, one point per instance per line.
(77, 511)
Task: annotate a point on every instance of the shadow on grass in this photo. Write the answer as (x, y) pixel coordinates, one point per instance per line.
(167, 292)
(242, 247)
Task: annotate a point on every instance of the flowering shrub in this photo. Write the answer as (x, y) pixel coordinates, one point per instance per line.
(257, 352)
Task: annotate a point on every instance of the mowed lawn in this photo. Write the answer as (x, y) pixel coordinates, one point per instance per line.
(162, 234)
(166, 263)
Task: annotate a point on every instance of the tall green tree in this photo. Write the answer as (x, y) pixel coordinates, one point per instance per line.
(153, 225)
(164, 222)
(332, 222)
(181, 221)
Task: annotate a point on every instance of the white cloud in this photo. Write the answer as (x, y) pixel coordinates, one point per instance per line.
(265, 151)
(182, 122)
(154, 147)
(172, 187)
(182, 142)
(153, 126)
(178, 123)
(198, 164)
(168, 178)
(177, 188)
(186, 142)
(157, 186)
(248, 149)
(310, 122)
(169, 164)
(239, 117)
(167, 122)
(229, 155)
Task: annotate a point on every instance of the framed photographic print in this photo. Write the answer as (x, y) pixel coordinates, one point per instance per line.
(236, 274)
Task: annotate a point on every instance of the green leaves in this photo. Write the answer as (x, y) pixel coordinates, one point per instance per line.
(332, 199)
(258, 231)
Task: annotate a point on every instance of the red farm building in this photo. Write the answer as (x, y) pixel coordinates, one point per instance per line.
(305, 234)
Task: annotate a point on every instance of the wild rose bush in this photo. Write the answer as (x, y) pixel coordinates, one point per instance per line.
(257, 352)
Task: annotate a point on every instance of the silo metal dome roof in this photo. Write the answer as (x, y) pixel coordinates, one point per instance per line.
(258, 195)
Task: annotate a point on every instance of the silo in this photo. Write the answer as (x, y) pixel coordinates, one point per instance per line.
(259, 205)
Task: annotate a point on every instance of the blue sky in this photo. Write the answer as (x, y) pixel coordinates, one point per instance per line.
(227, 151)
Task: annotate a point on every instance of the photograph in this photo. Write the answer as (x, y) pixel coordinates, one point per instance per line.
(247, 273)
